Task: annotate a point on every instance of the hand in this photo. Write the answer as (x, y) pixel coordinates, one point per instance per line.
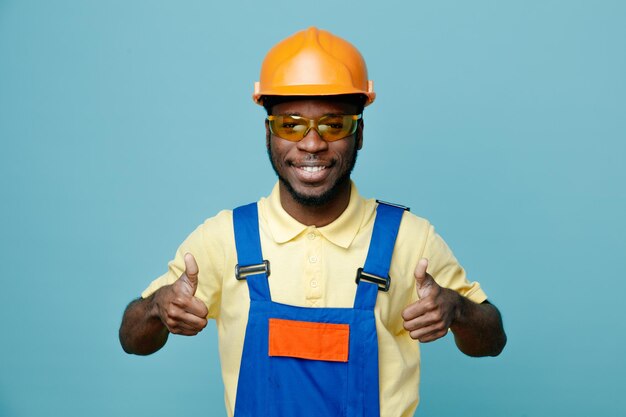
(430, 317)
(178, 307)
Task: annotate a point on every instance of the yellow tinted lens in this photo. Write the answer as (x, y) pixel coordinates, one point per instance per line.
(335, 127)
(288, 127)
(330, 127)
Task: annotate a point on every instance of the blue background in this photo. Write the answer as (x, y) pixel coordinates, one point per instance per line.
(123, 124)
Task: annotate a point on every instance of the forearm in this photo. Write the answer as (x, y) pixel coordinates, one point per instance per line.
(478, 329)
(142, 332)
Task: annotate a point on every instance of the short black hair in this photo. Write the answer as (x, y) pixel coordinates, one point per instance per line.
(358, 100)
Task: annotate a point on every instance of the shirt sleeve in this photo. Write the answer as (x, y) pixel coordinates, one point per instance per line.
(206, 245)
(446, 270)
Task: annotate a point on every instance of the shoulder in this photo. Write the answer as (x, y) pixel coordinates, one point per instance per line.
(214, 231)
(413, 222)
(221, 221)
(418, 235)
(414, 229)
(411, 243)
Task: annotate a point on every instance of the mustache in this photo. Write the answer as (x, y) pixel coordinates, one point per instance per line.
(310, 157)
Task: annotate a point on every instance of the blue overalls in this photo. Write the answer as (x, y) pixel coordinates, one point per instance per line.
(311, 362)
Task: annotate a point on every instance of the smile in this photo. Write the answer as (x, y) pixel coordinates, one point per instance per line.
(308, 173)
(312, 169)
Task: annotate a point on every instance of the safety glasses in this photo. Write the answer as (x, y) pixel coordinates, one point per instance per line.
(330, 127)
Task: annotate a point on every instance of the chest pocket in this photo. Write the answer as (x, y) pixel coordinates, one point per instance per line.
(309, 340)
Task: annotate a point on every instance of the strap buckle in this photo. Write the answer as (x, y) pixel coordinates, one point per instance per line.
(405, 208)
(241, 272)
(381, 282)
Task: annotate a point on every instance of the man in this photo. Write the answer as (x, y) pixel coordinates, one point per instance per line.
(297, 335)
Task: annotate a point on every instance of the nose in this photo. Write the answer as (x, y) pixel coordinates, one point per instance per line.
(312, 142)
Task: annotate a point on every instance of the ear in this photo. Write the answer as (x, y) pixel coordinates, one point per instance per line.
(268, 134)
(359, 135)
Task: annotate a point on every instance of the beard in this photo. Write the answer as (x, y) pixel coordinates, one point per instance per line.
(324, 198)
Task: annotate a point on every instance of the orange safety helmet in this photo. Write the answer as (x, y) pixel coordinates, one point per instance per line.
(313, 62)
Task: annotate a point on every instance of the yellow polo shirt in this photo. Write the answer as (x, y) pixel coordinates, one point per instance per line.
(315, 267)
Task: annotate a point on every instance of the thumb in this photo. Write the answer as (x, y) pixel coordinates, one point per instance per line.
(423, 281)
(191, 272)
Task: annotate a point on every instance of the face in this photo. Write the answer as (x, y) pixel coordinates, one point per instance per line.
(312, 170)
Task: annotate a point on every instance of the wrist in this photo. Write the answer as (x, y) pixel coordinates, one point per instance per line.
(154, 301)
(458, 309)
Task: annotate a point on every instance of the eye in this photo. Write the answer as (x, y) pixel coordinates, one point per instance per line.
(332, 122)
(291, 124)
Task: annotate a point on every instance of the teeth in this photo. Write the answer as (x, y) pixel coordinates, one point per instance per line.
(313, 169)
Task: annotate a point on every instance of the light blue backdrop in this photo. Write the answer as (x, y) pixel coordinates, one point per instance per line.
(123, 124)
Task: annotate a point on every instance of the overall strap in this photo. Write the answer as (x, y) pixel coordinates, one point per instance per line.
(374, 275)
(251, 265)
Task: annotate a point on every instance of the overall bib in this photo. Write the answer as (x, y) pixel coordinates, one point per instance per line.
(311, 362)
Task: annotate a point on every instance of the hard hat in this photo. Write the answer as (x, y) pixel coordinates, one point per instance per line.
(313, 62)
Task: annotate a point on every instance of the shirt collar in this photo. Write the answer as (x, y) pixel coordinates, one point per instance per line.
(341, 232)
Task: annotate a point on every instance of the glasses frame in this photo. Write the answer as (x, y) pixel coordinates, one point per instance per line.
(314, 124)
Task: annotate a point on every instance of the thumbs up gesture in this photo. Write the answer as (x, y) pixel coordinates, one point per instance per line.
(178, 307)
(430, 317)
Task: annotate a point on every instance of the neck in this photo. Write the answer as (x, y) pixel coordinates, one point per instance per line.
(317, 216)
